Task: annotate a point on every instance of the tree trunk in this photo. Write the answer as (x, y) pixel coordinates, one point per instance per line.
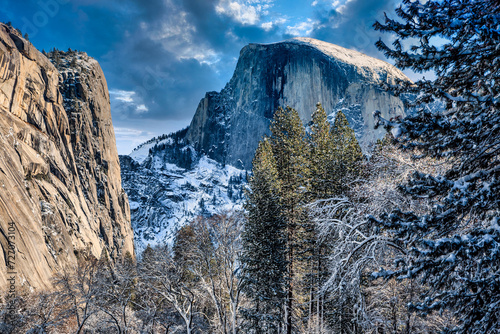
(290, 295)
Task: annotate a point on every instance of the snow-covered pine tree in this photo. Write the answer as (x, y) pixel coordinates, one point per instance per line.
(454, 248)
(264, 247)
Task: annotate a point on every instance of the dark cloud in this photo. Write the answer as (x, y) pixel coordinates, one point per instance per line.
(351, 25)
(161, 56)
(176, 52)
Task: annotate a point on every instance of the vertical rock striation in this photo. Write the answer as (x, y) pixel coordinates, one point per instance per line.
(60, 183)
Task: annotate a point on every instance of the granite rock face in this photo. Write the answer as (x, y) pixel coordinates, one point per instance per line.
(60, 183)
(300, 72)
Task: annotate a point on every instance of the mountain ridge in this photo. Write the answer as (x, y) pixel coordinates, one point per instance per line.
(298, 73)
(348, 56)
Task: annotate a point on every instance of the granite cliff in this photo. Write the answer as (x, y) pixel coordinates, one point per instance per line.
(59, 169)
(201, 170)
(299, 72)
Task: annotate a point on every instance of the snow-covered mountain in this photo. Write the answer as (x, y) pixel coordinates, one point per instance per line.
(169, 184)
(200, 170)
(299, 72)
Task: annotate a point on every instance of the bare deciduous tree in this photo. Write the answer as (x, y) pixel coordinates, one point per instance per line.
(166, 279)
(211, 256)
(358, 248)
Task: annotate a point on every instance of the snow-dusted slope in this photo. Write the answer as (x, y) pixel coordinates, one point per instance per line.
(164, 196)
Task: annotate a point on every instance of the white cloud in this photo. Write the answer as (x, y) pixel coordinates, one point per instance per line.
(176, 34)
(267, 26)
(202, 55)
(336, 4)
(280, 21)
(301, 29)
(246, 12)
(176, 27)
(333, 3)
(141, 108)
(342, 7)
(128, 100)
(122, 95)
(128, 132)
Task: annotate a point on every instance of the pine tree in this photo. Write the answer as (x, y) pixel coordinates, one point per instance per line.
(56, 58)
(290, 170)
(454, 248)
(322, 155)
(322, 185)
(335, 157)
(263, 240)
(347, 155)
(290, 151)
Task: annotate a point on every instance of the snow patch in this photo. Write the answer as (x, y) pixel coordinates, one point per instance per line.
(164, 197)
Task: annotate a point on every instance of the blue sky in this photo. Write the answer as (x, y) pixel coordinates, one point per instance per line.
(161, 56)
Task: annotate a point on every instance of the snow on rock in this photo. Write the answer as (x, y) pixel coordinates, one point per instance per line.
(164, 197)
(377, 68)
(140, 154)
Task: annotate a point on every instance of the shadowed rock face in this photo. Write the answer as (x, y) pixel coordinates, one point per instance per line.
(60, 184)
(298, 73)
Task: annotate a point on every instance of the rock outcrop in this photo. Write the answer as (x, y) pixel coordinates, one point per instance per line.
(61, 197)
(300, 72)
